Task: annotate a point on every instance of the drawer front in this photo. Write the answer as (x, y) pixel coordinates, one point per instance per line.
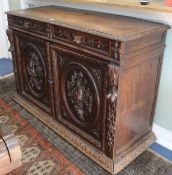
(29, 25)
(80, 39)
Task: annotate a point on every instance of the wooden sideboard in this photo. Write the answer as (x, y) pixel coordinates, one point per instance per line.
(91, 77)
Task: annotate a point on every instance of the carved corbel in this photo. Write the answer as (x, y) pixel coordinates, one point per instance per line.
(11, 39)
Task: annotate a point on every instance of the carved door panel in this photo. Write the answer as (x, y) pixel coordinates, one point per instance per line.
(81, 94)
(33, 70)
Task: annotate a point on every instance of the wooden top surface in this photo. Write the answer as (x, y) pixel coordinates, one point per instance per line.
(105, 25)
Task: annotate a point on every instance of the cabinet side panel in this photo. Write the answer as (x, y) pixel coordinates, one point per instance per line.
(137, 94)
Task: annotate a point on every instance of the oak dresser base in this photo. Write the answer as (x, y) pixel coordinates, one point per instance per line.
(91, 77)
(90, 151)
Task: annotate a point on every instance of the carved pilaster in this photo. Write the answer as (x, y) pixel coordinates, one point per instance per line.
(12, 50)
(111, 109)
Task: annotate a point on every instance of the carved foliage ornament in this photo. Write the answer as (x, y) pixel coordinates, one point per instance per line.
(80, 94)
(38, 27)
(111, 106)
(35, 71)
(81, 39)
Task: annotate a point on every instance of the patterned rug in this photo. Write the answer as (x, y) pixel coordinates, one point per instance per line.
(39, 157)
(45, 153)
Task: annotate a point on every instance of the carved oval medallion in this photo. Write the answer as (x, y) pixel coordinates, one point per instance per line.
(34, 70)
(80, 94)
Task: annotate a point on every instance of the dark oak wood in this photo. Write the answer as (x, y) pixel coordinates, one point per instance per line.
(95, 75)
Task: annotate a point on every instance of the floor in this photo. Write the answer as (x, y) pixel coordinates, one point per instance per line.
(157, 160)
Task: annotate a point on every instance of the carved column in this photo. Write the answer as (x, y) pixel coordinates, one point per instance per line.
(12, 50)
(111, 109)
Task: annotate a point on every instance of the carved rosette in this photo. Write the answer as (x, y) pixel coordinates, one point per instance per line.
(80, 94)
(35, 72)
(81, 39)
(111, 108)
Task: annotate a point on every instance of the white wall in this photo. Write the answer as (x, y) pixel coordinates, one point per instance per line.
(3, 26)
(14, 4)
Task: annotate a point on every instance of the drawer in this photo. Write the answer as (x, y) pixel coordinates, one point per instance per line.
(83, 40)
(29, 25)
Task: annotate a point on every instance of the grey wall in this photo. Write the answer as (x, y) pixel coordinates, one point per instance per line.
(14, 4)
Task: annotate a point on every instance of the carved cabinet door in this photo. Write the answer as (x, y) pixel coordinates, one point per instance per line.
(32, 62)
(81, 87)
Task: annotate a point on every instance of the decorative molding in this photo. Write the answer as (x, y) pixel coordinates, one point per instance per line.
(164, 136)
(30, 25)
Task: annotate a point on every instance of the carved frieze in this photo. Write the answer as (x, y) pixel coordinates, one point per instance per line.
(85, 40)
(27, 24)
